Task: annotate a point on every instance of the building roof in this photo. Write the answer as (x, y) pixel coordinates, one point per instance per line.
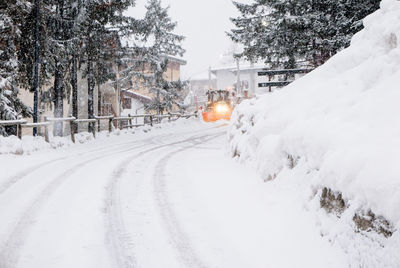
(202, 77)
(175, 59)
(134, 95)
(243, 68)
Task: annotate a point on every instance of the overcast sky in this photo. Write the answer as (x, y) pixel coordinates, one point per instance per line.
(204, 24)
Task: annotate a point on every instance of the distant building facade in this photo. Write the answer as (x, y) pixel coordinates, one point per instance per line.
(199, 85)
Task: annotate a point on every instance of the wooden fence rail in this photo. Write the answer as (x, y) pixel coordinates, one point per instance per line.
(17, 123)
(111, 119)
(41, 124)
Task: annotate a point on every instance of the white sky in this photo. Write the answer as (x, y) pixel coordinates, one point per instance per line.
(204, 23)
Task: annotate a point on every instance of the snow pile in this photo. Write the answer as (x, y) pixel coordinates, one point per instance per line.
(338, 128)
(30, 144)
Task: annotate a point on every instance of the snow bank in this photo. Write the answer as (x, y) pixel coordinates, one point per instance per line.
(29, 144)
(339, 123)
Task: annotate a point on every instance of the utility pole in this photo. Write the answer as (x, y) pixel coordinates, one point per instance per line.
(36, 69)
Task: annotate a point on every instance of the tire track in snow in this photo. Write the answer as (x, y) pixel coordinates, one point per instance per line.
(9, 254)
(119, 242)
(178, 237)
(22, 174)
(10, 249)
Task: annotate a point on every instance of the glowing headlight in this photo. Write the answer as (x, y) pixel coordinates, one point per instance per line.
(221, 108)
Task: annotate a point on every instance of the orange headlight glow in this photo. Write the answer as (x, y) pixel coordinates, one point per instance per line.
(221, 108)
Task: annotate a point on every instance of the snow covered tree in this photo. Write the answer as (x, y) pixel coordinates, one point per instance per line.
(73, 34)
(55, 42)
(103, 27)
(289, 33)
(12, 14)
(26, 53)
(161, 42)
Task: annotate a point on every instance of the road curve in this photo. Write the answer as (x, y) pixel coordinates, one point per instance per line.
(32, 202)
(167, 198)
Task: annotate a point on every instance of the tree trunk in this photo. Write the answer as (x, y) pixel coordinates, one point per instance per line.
(99, 104)
(58, 99)
(59, 74)
(36, 69)
(91, 85)
(74, 85)
(98, 100)
(158, 102)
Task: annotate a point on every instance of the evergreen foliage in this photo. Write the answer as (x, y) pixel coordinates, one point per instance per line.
(83, 36)
(288, 33)
(101, 30)
(161, 43)
(75, 35)
(11, 15)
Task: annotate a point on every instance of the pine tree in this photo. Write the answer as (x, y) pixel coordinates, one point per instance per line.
(26, 53)
(288, 33)
(73, 34)
(161, 42)
(56, 35)
(12, 14)
(103, 26)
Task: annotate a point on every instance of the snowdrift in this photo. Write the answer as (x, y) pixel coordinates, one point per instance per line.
(337, 128)
(29, 144)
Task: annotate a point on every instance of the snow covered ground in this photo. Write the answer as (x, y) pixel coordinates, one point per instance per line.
(170, 197)
(173, 197)
(337, 128)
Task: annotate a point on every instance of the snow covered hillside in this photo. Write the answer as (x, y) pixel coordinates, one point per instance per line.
(335, 134)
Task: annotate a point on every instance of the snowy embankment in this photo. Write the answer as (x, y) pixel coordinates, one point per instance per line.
(30, 144)
(335, 134)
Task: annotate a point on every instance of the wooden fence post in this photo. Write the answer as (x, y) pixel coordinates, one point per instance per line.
(130, 121)
(169, 116)
(19, 131)
(110, 125)
(71, 125)
(94, 130)
(151, 120)
(98, 126)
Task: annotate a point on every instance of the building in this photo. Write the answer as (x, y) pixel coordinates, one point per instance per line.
(135, 95)
(198, 86)
(111, 98)
(227, 78)
(224, 77)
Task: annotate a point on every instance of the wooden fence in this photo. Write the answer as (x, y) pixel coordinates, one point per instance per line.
(148, 119)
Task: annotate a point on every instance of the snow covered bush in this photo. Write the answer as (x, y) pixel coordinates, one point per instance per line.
(338, 128)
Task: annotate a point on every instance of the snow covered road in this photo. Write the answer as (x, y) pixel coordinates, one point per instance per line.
(168, 198)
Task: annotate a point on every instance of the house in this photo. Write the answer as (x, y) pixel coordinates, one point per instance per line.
(134, 103)
(136, 95)
(249, 78)
(227, 78)
(173, 72)
(111, 98)
(224, 77)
